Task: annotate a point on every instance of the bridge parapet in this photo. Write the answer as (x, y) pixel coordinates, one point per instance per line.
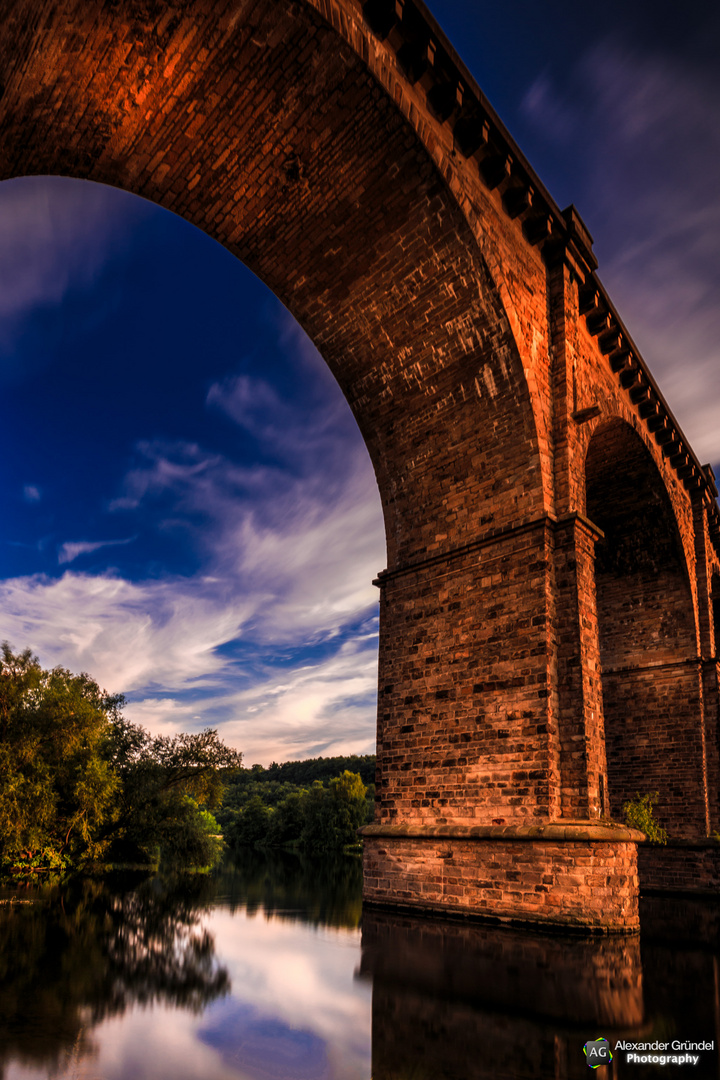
(475, 135)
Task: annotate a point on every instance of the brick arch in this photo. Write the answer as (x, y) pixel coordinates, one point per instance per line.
(715, 605)
(261, 125)
(651, 689)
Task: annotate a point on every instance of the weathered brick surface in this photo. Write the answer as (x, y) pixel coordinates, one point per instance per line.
(345, 155)
(651, 671)
(592, 884)
(465, 640)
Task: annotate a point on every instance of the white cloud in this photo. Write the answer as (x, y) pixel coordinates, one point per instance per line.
(288, 556)
(287, 545)
(31, 493)
(72, 549)
(322, 708)
(127, 635)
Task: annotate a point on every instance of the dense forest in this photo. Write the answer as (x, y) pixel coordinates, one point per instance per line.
(315, 805)
(81, 784)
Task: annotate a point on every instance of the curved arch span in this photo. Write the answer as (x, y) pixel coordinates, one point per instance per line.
(651, 678)
(260, 125)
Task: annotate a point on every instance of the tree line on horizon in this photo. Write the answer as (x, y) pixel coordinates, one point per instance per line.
(318, 811)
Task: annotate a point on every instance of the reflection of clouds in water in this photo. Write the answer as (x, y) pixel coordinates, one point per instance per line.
(264, 1047)
(296, 1011)
(305, 979)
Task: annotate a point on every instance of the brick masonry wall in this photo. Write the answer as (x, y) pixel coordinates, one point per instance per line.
(463, 727)
(654, 745)
(651, 679)
(591, 884)
(689, 868)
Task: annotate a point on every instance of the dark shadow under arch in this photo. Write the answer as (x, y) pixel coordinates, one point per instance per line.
(715, 605)
(650, 675)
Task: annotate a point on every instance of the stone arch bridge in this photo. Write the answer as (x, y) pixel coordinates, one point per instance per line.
(551, 601)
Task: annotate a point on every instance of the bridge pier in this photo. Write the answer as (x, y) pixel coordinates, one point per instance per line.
(491, 777)
(567, 875)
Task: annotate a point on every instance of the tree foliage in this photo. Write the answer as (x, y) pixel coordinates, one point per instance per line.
(321, 820)
(169, 786)
(79, 782)
(57, 788)
(304, 773)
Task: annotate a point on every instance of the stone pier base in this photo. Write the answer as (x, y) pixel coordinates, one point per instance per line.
(563, 874)
(680, 866)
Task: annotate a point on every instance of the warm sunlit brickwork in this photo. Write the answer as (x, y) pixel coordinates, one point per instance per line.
(547, 632)
(578, 881)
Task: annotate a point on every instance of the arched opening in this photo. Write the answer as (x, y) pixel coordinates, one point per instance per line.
(265, 128)
(650, 678)
(190, 512)
(715, 608)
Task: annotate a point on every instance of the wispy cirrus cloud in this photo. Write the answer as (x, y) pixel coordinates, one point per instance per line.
(284, 712)
(152, 634)
(274, 639)
(56, 236)
(643, 131)
(73, 549)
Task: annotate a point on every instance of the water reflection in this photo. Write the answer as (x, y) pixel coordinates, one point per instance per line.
(73, 956)
(453, 999)
(260, 973)
(321, 892)
(248, 974)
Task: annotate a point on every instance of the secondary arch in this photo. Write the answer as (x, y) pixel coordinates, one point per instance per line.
(651, 686)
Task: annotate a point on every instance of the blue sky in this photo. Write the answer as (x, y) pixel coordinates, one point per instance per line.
(189, 511)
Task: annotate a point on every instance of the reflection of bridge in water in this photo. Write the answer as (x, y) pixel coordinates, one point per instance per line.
(456, 1000)
(451, 1000)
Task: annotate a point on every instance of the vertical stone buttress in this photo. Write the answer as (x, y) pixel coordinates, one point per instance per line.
(575, 637)
(491, 753)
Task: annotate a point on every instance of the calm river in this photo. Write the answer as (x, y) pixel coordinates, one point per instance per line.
(270, 971)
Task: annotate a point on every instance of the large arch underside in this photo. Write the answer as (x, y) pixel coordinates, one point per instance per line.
(258, 123)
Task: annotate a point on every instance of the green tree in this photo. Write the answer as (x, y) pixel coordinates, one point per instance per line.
(251, 825)
(333, 814)
(169, 787)
(79, 782)
(56, 784)
(288, 821)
